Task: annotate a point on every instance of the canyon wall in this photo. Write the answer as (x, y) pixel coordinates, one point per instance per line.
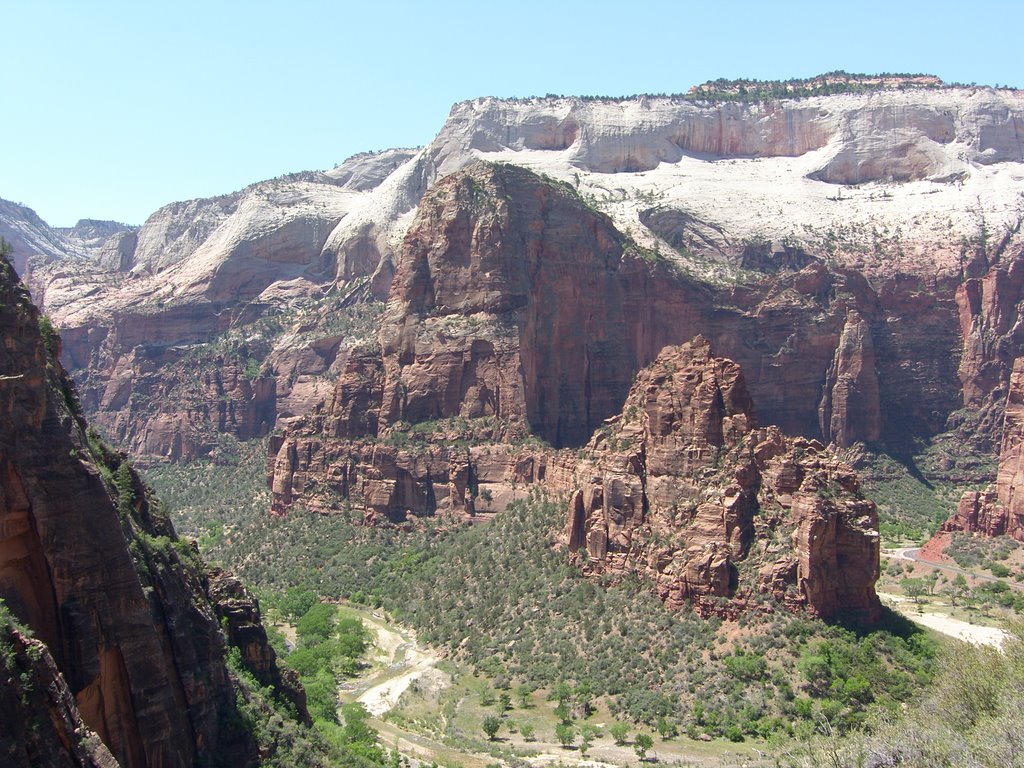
(684, 489)
(89, 563)
(999, 510)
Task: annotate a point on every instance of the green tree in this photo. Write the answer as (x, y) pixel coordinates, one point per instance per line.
(357, 734)
(523, 693)
(504, 702)
(49, 334)
(666, 729)
(322, 696)
(527, 730)
(316, 625)
(914, 588)
(561, 692)
(352, 637)
(958, 589)
(125, 487)
(562, 712)
(491, 725)
(486, 694)
(619, 731)
(587, 735)
(641, 743)
(296, 601)
(566, 734)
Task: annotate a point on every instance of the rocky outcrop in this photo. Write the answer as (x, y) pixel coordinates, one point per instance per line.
(91, 566)
(399, 479)
(889, 135)
(850, 409)
(686, 491)
(738, 196)
(40, 724)
(993, 336)
(239, 613)
(999, 510)
(172, 404)
(516, 302)
(31, 238)
(511, 300)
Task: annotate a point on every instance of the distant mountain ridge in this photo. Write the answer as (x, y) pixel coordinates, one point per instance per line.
(877, 210)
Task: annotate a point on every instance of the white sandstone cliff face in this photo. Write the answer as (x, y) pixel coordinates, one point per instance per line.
(31, 238)
(928, 165)
(896, 184)
(918, 171)
(886, 182)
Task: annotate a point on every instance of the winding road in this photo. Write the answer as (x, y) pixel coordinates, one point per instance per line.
(910, 553)
(947, 625)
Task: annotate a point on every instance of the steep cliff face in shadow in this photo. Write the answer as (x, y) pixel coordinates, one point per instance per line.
(89, 563)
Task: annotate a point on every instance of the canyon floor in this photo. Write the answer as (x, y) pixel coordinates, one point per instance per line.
(409, 687)
(430, 708)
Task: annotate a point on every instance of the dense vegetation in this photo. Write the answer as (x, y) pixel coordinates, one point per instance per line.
(919, 490)
(972, 718)
(506, 601)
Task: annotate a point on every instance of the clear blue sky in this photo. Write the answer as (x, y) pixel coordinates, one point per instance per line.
(111, 109)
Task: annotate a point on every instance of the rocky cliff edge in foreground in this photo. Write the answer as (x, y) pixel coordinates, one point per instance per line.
(89, 564)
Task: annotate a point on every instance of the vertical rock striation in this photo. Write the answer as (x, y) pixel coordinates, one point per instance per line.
(999, 510)
(88, 562)
(685, 490)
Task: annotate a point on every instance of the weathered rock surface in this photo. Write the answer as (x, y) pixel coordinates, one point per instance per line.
(31, 238)
(40, 724)
(740, 196)
(510, 301)
(993, 336)
(999, 510)
(239, 612)
(388, 482)
(96, 572)
(685, 490)
(514, 301)
(850, 409)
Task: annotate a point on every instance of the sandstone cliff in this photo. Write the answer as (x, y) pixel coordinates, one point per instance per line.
(91, 566)
(739, 197)
(685, 490)
(999, 510)
(515, 310)
(40, 724)
(515, 302)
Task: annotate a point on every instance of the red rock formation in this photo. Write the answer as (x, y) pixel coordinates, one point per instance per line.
(93, 569)
(992, 336)
(683, 489)
(850, 409)
(40, 724)
(509, 300)
(239, 612)
(386, 481)
(513, 298)
(514, 301)
(999, 510)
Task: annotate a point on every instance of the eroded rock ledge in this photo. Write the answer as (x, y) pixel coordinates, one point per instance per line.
(685, 490)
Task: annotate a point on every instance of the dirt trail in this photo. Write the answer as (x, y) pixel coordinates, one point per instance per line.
(961, 630)
(404, 661)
